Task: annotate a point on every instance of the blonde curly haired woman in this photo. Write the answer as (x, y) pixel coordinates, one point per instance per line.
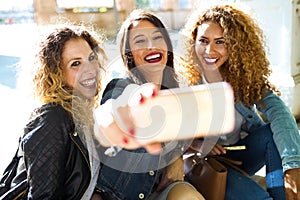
(58, 152)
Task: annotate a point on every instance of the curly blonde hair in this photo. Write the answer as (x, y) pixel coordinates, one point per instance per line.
(48, 76)
(247, 68)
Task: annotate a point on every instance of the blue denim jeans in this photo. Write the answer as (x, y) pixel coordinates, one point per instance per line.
(260, 150)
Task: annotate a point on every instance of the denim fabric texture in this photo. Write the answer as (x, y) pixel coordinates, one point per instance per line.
(282, 123)
(131, 174)
(128, 184)
(260, 150)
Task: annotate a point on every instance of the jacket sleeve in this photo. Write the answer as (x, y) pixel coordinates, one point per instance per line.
(45, 152)
(283, 125)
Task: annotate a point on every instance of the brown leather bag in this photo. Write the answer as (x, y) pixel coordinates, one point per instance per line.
(207, 175)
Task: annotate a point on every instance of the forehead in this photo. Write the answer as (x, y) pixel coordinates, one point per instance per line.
(143, 26)
(75, 47)
(208, 28)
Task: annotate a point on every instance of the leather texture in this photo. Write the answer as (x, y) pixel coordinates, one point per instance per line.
(207, 175)
(54, 158)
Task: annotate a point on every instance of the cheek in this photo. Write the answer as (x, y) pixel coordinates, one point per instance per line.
(138, 57)
(224, 53)
(161, 44)
(69, 79)
(199, 50)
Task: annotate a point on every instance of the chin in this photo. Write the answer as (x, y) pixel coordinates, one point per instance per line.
(210, 68)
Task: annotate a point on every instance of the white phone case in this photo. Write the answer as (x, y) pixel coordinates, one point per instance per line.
(185, 113)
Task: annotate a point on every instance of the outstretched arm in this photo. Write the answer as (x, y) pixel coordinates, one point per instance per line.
(114, 123)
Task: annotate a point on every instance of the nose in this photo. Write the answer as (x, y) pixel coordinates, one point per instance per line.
(209, 48)
(89, 68)
(150, 44)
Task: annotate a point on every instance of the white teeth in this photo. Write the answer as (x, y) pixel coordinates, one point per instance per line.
(210, 60)
(89, 82)
(155, 56)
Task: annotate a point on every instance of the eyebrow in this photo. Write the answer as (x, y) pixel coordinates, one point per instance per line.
(137, 36)
(219, 38)
(79, 58)
(140, 35)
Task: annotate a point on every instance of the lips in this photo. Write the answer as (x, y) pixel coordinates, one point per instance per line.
(89, 83)
(153, 57)
(210, 61)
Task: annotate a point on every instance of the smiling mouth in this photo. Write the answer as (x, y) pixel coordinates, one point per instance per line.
(88, 83)
(211, 60)
(153, 57)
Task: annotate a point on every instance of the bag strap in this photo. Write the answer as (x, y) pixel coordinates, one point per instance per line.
(16, 155)
(196, 158)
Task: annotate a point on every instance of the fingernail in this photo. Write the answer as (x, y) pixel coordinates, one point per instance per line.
(153, 93)
(131, 132)
(142, 99)
(125, 140)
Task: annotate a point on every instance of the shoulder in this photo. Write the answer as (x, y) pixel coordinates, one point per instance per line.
(52, 113)
(115, 88)
(49, 122)
(118, 82)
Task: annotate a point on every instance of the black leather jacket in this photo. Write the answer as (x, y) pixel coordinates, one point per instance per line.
(55, 159)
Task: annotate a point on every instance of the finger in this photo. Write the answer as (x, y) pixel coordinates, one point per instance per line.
(148, 90)
(107, 131)
(215, 151)
(144, 92)
(153, 148)
(126, 120)
(220, 148)
(111, 135)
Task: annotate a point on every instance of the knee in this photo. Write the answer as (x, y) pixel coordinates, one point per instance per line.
(184, 191)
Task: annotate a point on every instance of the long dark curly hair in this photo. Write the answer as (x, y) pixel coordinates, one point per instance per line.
(247, 68)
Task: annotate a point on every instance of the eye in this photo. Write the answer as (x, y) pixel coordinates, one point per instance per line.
(75, 64)
(220, 42)
(158, 37)
(92, 57)
(140, 41)
(203, 40)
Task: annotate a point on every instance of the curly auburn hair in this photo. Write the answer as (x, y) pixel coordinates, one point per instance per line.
(48, 76)
(247, 68)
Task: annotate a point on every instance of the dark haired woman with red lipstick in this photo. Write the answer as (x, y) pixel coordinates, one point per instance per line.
(147, 53)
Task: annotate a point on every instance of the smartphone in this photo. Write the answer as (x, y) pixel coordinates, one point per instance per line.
(185, 113)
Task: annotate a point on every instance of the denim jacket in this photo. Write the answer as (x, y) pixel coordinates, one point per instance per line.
(125, 182)
(283, 125)
(131, 174)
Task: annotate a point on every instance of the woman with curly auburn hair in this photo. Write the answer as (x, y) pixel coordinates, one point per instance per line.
(226, 44)
(58, 152)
